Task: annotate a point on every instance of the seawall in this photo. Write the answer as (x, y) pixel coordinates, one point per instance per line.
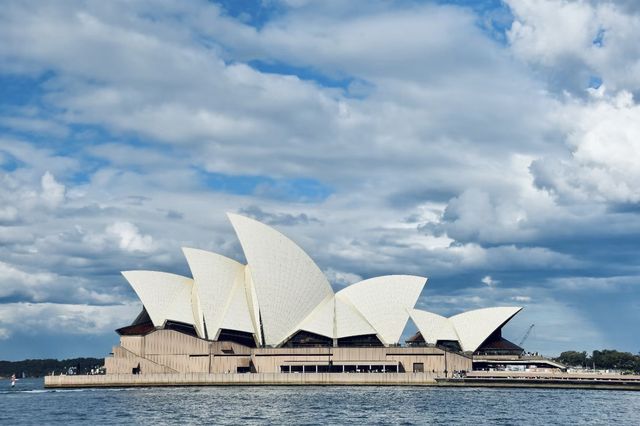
(341, 379)
(251, 379)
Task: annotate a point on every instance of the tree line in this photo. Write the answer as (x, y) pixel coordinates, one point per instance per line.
(606, 359)
(44, 367)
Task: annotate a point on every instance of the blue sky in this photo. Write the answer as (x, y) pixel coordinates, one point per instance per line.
(489, 145)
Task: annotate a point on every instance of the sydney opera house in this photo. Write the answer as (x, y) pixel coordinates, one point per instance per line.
(279, 314)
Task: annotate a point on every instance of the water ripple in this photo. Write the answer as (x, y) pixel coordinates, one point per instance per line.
(29, 403)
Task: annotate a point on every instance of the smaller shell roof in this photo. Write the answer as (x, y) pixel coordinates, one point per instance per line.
(469, 328)
(165, 296)
(384, 302)
(474, 327)
(433, 327)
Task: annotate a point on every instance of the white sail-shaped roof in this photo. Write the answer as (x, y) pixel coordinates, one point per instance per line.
(198, 318)
(433, 327)
(218, 282)
(236, 312)
(384, 302)
(322, 320)
(252, 300)
(165, 296)
(474, 327)
(288, 284)
(349, 321)
(336, 317)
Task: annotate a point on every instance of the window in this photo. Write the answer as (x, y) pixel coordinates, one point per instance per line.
(323, 369)
(418, 367)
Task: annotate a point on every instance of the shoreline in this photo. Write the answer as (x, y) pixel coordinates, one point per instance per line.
(336, 379)
(542, 383)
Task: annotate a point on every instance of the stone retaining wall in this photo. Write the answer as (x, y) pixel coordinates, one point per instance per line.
(203, 379)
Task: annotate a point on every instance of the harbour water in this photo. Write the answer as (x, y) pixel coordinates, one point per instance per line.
(29, 403)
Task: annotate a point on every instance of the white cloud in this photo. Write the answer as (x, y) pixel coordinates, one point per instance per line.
(8, 214)
(33, 319)
(53, 192)
(580, 39)
(488, 281)
(129, 237)
(595, 284)
(605, 152)
(341, 279)
(34, 125)
(549, 31)
(4, 333)
(39, 286)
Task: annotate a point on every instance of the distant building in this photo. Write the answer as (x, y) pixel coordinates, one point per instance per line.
(279, 313)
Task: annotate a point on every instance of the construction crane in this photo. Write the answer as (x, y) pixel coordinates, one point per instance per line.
(526, 335)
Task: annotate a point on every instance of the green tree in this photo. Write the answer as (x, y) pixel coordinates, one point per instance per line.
(573, 358)
(612, 359)
(43, 367)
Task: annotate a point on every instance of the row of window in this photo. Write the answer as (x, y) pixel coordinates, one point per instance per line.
(336, 368)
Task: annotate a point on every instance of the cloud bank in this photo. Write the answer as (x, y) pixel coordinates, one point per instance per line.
(492, 147)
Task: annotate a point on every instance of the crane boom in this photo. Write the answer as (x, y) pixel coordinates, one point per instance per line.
(526, 335)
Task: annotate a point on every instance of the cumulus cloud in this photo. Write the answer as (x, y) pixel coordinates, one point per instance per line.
(34, 319)
(4, 333)
(8, 214)
(341, 279)
(257, 213)
(488, 281)
(579, 40)
(605, 152)
(37, 286)
(129, 238)
(53, 192)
